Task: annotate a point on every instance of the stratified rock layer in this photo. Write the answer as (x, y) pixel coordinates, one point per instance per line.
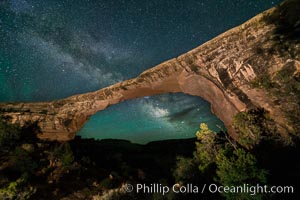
(220, 71)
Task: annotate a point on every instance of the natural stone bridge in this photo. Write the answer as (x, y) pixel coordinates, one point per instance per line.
(219, 71)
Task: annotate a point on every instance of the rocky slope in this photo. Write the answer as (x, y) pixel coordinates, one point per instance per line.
(253, 65)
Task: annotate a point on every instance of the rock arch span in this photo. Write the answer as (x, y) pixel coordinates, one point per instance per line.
(60, 120)
(219, 71)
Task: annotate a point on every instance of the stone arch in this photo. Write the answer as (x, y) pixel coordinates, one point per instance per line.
(219, 71)
(60, 120)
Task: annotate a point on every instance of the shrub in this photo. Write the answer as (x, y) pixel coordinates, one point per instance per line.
(185, 169)
(17, 190)
(9, 133)
(263, 82)
(205, 148)
(238, 168)
(222, 159)
(64, 154)
(23, 162)
(251, 126)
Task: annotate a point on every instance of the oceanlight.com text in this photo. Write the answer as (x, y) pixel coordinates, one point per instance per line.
(157, 188)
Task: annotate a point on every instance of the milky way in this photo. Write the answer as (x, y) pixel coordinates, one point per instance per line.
(52, 49)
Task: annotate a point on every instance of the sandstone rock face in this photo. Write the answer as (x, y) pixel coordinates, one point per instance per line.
(220, 71)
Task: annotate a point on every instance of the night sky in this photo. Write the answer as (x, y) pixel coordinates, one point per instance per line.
(52, 49)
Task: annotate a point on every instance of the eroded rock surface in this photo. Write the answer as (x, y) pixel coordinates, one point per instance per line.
(221, 71)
